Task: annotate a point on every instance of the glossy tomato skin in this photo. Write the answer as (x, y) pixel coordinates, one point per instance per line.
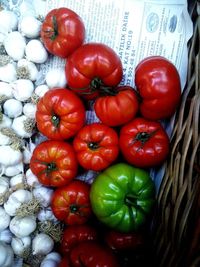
(62, 32)
(144, 143)
(60, 114)
(92, 254)
(71, 203)
(119, 108)
(122, 197)
(158, 83)
(74, 234)
(96, 146)
(91, 68)
(54, 163)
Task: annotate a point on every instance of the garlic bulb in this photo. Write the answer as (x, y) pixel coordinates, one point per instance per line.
(5, 219)
(36, 52)
(5, 122)
(14, 169)
(15, 200)
(8, 72)
(23, 226)
(12, 108)
(9, 156)
(42, 244)
(40, 90)
(56, 78)
(15, 45)
(28, 68)
(6, 255)
(32, 179)
(17, 179)
(6, 90)
(6, 236)
(22, 89)
(8, 20)
(4, 185)
(29, 110)
(23, 126)
(43, 194)
(4, 140)
(30, 27)
(21, 245)
(51, 260)
(28, 151)
(46, 214)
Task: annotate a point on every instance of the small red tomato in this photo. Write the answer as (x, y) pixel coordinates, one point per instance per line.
(60, 114)
(158, 83)
(71, 203)
(92, 254)
(54, 163)
(119, 108)
(96, 146)
(144, 143)
(91, 68)
(62, 32)
(75, 234)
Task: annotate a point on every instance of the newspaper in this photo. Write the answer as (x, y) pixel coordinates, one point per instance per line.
(135, 29)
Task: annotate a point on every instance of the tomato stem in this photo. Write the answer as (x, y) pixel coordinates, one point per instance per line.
(93, 145)
(55, 120)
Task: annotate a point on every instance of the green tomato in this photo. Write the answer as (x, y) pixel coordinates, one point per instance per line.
(122, 196)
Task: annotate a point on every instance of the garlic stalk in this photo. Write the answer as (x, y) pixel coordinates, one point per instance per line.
(53, 229)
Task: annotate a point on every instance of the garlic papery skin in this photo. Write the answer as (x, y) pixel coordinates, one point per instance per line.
(29, 27)
(21, 245)
(29, 67)
(6, 90)
(8, 20)
(22, 126)
(6, 236)
(15, 45)
(5, 122)
(22, 89)
(8, 72)
(23, 226)
(42, 244)
(15, 200)
(46, 214)
(40, 90)
(56, 78)
(36, 52)
(12, 108)
(9, 156)
(14, 169)
(17, 180)
(6, 255)
(32, 179)
(29, 110)
(43, 194)
(5, 219)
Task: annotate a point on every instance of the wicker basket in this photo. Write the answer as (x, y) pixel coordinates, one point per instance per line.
(176, 231)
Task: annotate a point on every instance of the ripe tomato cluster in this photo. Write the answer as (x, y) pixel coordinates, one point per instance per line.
(128, 136)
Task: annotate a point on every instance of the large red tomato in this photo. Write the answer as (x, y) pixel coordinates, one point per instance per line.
(71, 203)
(92, 254)
(96, 146)
(144, 143)
(93, 68)
(62, 32)
(158, 83)
(60, 114)
(74, 234)
(54, 163)
(119, 108)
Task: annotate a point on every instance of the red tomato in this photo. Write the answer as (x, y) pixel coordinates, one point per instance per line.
(71, 203)
(124, 241)
(60, 114)
(119, 108)
(62, 32)
(75, 234)
(158, 83)
(64, 262)
(91, 254)
(54, 163)
(144, 143)
(92, 68)
(96, 146)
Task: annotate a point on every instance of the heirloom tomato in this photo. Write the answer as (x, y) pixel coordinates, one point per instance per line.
(158, 83)
(71, 203)
(60, 114)
(62, 32)
(96, 146)
(93, 68)
(144, 143)
(92, 254)
(54, 163)
(74, 234)
(122, 196)
(118, 108)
